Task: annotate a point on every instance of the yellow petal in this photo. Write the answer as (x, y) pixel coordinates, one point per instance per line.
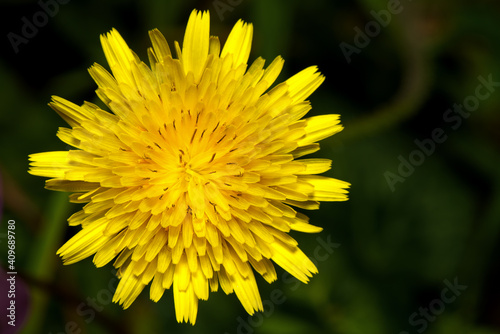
(119, 56)
(304, 83)
(239, 43)
(196, 44)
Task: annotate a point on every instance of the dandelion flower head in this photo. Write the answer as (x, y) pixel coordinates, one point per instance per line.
(190, 182)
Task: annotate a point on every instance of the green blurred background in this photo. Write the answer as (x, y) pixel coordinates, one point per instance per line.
(393, 247)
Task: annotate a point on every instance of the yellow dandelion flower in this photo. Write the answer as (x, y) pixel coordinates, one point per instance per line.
(191, 180)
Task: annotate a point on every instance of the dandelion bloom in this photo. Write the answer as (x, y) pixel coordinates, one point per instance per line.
(191, 181)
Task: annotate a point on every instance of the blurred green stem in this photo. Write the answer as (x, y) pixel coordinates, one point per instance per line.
(275, 18)
(415, 83)
(486, 232)
(43, 257)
